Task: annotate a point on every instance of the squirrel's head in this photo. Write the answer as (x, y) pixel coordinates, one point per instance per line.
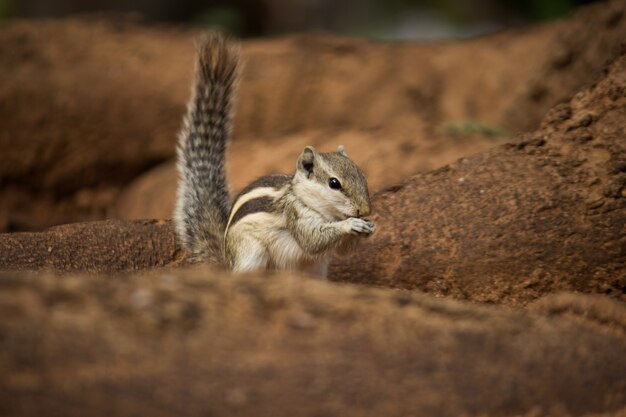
(332, 184)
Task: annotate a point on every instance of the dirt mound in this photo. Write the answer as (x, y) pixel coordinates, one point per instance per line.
(545, 213)
(89, 105)
(198, 343)
(106, 246)
(507, 226)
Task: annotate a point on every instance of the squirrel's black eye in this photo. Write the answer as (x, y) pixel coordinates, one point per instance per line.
(334, 184)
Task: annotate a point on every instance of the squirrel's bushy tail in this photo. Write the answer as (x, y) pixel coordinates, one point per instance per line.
(203, 201)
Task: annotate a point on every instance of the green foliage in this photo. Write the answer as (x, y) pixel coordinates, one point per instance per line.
(470, 127)
(4, 9)
(544, 10)
(224, 18)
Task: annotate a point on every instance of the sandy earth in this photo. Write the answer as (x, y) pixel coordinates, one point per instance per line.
(90, 106)
(494, 286)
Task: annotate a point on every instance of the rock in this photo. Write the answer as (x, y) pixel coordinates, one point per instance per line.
(582, 308)
(542, 214)
(90, 104)
(106, 246)
(547, 212)
(152, 195)
(202, 343)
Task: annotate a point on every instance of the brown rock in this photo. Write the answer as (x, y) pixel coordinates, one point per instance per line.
(152, 195)
(91, 104)
(106, 246)
(582, 308)
(545, 213)
(200, 343)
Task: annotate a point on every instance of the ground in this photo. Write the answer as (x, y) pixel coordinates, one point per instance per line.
(494, 286)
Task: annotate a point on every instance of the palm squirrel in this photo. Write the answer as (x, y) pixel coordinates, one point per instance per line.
(278, 221)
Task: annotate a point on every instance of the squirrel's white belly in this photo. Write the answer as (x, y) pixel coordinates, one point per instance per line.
(286, 253)
(261, 240)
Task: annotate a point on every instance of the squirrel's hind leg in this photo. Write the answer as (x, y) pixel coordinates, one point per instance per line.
(250, 255)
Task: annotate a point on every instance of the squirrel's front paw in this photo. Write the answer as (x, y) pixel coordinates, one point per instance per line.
(361, 226)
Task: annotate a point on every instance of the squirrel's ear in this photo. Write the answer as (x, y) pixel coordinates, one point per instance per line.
(342, 150)
(307, 160)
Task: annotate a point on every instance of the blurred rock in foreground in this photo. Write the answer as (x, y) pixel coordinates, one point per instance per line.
(199, 343)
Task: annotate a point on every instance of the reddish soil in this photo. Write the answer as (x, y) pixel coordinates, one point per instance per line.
(542, 214)
(200, 343)
(506, 226)
(547, 212)
(90, 105)
(94, 106)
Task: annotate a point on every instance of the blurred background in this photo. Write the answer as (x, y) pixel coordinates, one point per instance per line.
(391, 19)
(93, 92)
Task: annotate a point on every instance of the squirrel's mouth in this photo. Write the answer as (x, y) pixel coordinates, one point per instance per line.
(354, 213)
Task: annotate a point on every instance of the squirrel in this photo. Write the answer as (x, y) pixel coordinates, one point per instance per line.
(292, 222)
